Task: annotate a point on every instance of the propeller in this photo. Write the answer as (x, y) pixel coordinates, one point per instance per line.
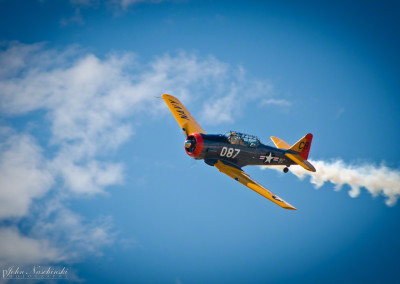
(190, 146)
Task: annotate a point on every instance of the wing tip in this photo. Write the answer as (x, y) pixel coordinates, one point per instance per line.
(290, 208)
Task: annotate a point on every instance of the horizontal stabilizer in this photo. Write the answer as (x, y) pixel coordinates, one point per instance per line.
(301, 161)
(279, 143)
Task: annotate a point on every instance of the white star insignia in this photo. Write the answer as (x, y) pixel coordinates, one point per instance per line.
(269, 158)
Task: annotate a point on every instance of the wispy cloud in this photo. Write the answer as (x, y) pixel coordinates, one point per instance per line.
(281, 102)
(231, 94)
(339, 112)
(74, 19)
(15, 248)
(117, 7)
(79, 236)
(124, 4)
(377, 180)
(84, 2)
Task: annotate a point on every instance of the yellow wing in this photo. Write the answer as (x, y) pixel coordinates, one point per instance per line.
(245, 179)
(185, 120)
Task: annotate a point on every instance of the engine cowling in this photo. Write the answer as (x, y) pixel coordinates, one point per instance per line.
(194, 145)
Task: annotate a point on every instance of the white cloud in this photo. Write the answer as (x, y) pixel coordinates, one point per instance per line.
(23, 171)
(17, 249)
(91, 178)
(220, 110)
(25, 178)
(377, 180)
(75, 98)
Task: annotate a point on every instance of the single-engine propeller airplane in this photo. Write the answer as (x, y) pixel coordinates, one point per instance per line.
(231, 151)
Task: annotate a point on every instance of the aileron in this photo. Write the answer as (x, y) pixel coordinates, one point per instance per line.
(245, 179)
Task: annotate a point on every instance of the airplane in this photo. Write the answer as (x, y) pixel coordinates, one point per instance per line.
(233, 150)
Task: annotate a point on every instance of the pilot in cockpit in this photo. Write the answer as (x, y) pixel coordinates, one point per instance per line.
(235, 139)
(232, 138)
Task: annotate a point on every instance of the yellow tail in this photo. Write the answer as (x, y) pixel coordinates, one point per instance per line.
(303, 146)
(298, 153)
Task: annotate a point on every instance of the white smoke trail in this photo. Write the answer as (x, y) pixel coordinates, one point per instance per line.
(375, 179)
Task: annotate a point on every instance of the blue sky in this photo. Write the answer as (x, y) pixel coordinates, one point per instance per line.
(93, 171)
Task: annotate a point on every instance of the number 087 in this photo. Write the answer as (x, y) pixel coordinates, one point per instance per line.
(229, 152)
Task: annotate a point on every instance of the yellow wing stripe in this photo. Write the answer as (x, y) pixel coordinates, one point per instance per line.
(185, 120)
(245, 179)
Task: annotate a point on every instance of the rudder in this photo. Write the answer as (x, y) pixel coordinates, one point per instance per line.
(303, 146)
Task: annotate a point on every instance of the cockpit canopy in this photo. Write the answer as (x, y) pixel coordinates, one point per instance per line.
(242, 139)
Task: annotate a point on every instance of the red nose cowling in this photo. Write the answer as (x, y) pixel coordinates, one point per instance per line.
(196, 145)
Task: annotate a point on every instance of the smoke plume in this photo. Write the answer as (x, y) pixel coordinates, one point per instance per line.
(375, 179)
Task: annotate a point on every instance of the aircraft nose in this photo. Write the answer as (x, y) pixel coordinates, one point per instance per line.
(188, 144)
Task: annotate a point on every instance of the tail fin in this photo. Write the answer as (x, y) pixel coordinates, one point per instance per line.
(303, 146)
